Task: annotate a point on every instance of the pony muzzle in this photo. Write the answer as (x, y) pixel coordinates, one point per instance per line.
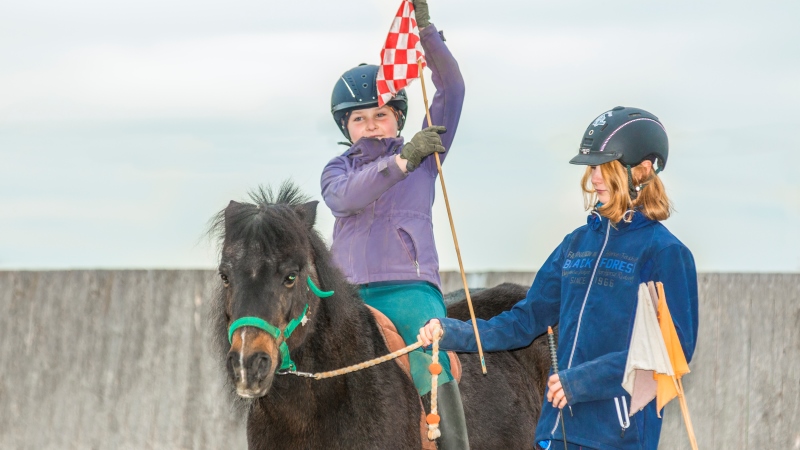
(252, 361)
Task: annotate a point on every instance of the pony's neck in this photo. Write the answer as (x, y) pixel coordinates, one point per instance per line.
(342, 334)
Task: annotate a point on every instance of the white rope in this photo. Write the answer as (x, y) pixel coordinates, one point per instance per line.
(355, 367)
(435, 368)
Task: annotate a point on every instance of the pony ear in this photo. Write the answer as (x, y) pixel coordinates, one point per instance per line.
(230, 211)
(308, 212)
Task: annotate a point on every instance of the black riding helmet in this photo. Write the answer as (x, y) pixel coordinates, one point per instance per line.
(630, 135)
(356, 89)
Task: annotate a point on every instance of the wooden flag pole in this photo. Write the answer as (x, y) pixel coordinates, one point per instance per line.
(452, 226)
(685, 411)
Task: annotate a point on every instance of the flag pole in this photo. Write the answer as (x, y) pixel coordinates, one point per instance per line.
(677, 383)
(452, 226)
(685, 410)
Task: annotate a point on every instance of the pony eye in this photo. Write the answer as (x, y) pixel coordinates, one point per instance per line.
(290, 279)
(224, 279)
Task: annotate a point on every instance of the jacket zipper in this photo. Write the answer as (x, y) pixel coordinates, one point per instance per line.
(411, 255)
(622, 415)
(580, 316)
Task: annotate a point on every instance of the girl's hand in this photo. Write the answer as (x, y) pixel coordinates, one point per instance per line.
(429, 331)
(421, 13)
(422, 144)
(555, 392)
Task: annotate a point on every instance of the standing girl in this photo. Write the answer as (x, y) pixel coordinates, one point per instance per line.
(589, 284)
(381, 191)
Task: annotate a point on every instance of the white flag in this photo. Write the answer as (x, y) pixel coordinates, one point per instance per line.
(647, 354)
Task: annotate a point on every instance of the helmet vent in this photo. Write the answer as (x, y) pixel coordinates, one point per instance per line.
(605, 125)
(634, 114)
(587, 142)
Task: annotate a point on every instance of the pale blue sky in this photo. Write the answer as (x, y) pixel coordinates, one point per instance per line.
(124, 126)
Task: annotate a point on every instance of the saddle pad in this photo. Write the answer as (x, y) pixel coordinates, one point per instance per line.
(395, 342)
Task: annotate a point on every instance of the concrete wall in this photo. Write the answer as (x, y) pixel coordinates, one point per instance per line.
(110, 360)
(122, 359)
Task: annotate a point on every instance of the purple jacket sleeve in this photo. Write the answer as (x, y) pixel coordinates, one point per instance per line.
(449, 98)
(347, 194)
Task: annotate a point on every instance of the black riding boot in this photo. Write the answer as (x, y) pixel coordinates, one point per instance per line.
(452, 425)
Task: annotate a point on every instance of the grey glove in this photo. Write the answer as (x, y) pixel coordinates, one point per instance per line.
(421, 11)
(421, 145)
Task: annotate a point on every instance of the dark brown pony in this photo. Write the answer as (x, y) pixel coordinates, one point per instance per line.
(277, 279)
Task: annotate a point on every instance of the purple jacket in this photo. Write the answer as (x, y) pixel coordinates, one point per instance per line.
(384, 229)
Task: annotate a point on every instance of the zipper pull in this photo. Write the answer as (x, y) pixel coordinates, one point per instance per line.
(622, 433)
(416, 264)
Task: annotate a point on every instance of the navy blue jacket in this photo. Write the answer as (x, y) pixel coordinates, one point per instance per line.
(589, 286)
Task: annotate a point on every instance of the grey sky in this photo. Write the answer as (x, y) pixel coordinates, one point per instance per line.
(124, 126)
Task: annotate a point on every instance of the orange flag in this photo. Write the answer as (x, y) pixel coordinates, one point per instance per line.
(647, 354)
(667, 385)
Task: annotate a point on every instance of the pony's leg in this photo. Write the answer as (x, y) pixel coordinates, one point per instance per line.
(453, 425)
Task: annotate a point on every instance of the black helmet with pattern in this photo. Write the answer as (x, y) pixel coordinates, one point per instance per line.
(630, 135)
(357, 89)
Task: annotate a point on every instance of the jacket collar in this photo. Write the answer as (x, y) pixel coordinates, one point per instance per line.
(599, 223)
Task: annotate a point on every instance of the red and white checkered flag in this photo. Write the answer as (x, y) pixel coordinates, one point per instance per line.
(400, 54)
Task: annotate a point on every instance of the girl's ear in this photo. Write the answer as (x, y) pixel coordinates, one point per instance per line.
(646, 168)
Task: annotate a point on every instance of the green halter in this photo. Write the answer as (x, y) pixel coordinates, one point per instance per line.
(317, 291)
(275, 332)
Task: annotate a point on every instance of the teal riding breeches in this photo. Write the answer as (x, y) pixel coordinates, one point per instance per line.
(409, 305)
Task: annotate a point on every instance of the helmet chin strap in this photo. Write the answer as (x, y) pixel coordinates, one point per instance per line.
(634, 190)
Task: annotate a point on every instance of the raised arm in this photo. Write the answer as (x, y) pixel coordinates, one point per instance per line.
(446, 76)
